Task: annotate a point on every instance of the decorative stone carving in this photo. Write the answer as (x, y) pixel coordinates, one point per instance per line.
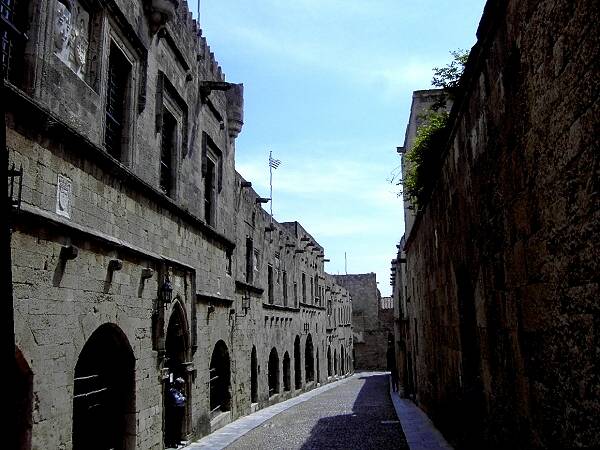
(71, 35)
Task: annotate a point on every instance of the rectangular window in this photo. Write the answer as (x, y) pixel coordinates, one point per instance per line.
(295, 294)
(249, 260)
(209, 193)
(304, 287)
(270, 279)
(285, 289)
(167, 153)
(312, 290)
(15, 13)
(116, 98)
(228, 263)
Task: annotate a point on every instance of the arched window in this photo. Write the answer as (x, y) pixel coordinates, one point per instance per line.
(309, 359)
(253, 376)
(273, 372)
(287, 381)
(297, 363)
(104, 392)
(220, 379)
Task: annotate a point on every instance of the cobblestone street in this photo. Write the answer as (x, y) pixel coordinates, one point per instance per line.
(358, 414)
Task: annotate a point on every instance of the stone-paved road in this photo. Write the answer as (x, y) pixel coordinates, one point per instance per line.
(356, 415)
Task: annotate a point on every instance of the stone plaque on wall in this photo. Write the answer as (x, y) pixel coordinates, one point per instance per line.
(64, 196)
(71, 34)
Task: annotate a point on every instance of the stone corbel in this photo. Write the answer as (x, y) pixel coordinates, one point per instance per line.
(160, 12)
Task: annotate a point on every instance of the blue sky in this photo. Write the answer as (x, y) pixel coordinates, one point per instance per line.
(327, 88)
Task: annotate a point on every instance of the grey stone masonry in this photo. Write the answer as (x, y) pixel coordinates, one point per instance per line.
(140, 255)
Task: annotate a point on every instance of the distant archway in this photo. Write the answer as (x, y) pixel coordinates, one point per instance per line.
(273, 372)
(287, 380)
(220, 379)
(309, 359)
(335, 362)
(104, 392)
(24, 401)
(318, 367)
(253, 376)
(297, 363)
(329, 366)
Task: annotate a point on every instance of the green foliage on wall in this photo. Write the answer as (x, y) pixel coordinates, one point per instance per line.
(424, 156)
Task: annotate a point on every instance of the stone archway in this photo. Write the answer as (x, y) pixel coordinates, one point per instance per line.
(318, 367)
(309, 359)
(176, 355)
(273, 372)
(220, 380)
(104, 392)
(24, 401)
(329, 365)
(287, 380)
(253, 376)
(335, 362)
(297, 363)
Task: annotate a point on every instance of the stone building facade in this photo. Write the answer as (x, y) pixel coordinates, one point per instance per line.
(139, 254)
(496, 282)
(372, 325)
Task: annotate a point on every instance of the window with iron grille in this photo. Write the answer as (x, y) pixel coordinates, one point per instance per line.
(119, 70)
(304, 287)
(285, 289)
(249, 260)
(167, 153)
(270, 281)
(209, 192)
(12, 47)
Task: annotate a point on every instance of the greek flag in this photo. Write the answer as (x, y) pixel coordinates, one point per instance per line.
(274, 163)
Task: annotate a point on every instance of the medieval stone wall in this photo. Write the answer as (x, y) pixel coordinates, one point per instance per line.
(369, 329)
(97, 237)
(505, 320)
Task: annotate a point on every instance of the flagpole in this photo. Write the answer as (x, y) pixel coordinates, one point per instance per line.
(271, 184)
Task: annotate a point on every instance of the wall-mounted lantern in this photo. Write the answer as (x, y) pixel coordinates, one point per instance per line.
(166, 291)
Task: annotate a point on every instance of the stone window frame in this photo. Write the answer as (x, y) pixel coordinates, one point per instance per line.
(170, 106)
(114, 36)
(211, 152)
(168, 99)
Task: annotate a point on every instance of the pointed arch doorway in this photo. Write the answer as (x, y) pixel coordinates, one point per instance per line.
(177, 353)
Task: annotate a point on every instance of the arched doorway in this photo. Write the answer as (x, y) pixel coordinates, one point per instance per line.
(335, 362)
(253, 376)
(104, 392)
(342, 361)
(309, 359)
(297, 363)
(220, 380)
(273, 372)
(318, 367)
(287, 380)
(329, 367)
(24, 401)
(177, 352)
